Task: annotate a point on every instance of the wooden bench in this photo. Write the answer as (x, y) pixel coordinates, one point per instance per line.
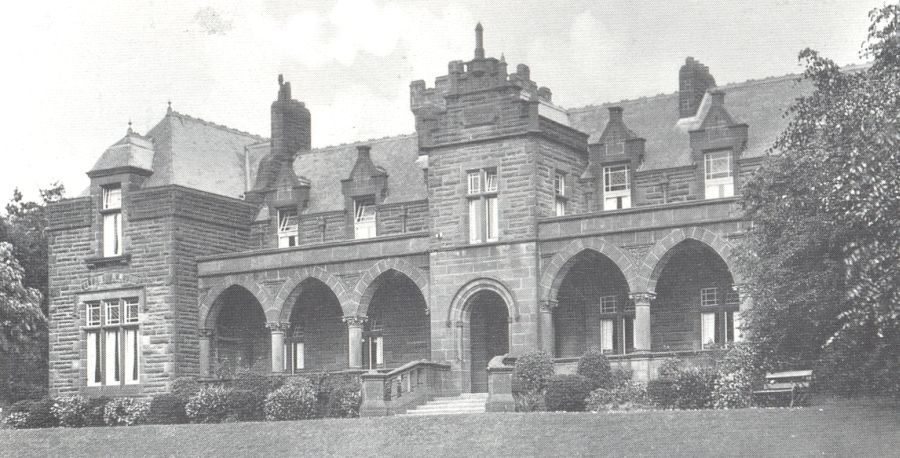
(785, 388)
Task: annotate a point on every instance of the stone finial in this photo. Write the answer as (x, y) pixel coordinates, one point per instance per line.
(129, 127)
(479, 41)
(169, 107)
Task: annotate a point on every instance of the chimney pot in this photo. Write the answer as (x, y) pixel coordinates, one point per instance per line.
(615, 114)
(524, 72)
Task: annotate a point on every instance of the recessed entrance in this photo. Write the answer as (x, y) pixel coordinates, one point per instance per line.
(488, 335)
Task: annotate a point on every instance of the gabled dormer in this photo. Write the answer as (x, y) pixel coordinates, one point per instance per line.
(716, 146)
(364, 190)
(121, 169)
(614, 157)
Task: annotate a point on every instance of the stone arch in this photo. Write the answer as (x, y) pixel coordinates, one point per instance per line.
(658, 256)
(460, 302)
(562, 261)
(369, 281)
(287, 295)
(207, 312)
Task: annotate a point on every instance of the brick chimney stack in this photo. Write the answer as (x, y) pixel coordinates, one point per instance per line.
(479, 41)
(290, 124)
(693, 81)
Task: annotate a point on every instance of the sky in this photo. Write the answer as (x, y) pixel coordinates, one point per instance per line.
(75, 73)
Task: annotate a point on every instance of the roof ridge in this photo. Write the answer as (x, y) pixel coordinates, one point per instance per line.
(217, 126)
(363, 142)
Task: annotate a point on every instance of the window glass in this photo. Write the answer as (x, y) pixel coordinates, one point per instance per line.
(288, 224)
(707, 329)
(709, 296)
(718, 165)
(608, 304)
(490, 181)
(93, 313)
(131, 310)
(615, 178)
(365, 219)
(474, 183)
(559, 183)
(112, 312)
(94, 374)
(112, 363)
(474, 221)
(606, 336)
(112, 234)
(112, 197)
(560, 208)
(491, 218)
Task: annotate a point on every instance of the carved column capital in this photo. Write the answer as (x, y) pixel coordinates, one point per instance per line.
(206, 333)
(548, 306)
(642, 298)
(355, 321)
(278, 326)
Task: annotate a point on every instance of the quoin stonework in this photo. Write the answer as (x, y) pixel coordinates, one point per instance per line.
(504, 224)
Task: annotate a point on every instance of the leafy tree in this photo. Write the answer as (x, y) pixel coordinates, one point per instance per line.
(823, 257)
(23, 283)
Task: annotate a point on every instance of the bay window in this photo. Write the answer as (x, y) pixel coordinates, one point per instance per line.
(111, 211)
(112, 331)
(482, 205)
(718, 175)
(616, 187)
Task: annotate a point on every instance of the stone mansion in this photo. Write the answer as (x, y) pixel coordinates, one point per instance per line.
(504, 224)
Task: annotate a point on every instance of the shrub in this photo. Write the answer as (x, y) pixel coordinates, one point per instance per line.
(70, 411)
(95, 410)
(625, 396)
(529, 402)
(244, 405)
(246, 380)
(620, 377)
(295, 400)
(567, 393)
(39, 413)
(166, 409)
(532, 371)
(16, 420)
(694, 387)
(669, 368)
(185, 387)
(126, 412)
(209, 405)
(595, 367)
(736, 374)
(344, 399)
(662, 393)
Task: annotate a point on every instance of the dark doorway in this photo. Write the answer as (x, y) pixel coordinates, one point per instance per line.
(488, 334)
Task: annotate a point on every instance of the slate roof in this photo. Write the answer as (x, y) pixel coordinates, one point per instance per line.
(326, 167)
(199, 154)
(202, 155)
(760, 104)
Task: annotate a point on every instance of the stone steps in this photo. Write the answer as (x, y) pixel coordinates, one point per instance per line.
(466, 403)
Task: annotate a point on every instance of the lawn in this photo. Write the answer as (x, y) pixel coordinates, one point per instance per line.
(859, 428)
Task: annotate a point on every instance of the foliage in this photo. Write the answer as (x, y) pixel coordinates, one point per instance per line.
(532, 371)
(167, 408)
(209, 405)
(22, 323)
(619, 377)
(529, 401)
(244, 405)
(295, 400)
(567, 393)
(736, 374)
(595, 367)
(661, 392)
(822, 260)
(126, 412)
(344, 398)
(16, 420)
(70, 411)
(625, 396)
(694, 387)
(95, 410)
(185, 387)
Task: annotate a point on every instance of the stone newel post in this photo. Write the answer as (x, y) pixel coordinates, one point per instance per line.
(642, 320)
(354, 333)
(205, 336)
(278, 329)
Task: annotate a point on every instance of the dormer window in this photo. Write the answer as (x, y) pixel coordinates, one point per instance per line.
(719, 179)
(112, 220)
(559, 184)
(616, 187)
(288, 227)
(365, 219)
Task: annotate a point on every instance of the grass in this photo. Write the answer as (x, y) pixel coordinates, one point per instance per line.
(859, 428)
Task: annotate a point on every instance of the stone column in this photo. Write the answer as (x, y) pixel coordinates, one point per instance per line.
(642, 338)
(278, 329)
(354, 334)
(548, 338)
(205, 336)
